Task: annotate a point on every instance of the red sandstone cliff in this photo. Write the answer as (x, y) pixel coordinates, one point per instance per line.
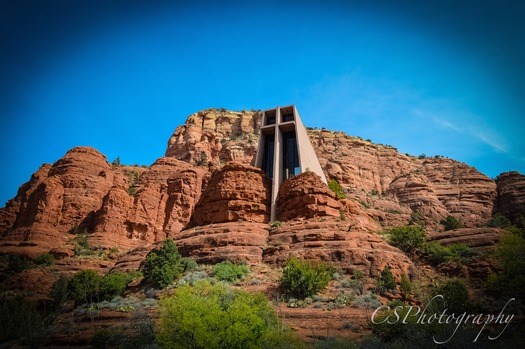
(130, 207)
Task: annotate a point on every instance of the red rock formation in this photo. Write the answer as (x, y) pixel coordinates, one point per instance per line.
(162, 205)
(415, 191)
(510, 200)
(362, 167)
(234, 241)
(306, 196)
(333, 242)
(215, 135)
(68, 195)
(481, 239)
(465, 192)
(235, 193)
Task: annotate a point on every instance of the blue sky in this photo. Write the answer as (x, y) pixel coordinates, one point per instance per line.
(434, 77)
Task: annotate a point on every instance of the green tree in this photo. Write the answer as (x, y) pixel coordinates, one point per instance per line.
(163, 266)
(215, 316)
(511, 255)
(451, 223)
(18, 263)
(455, 296)
(60, 291)
(408, 238)
(85, 286)
(387, 281)
(302, 278)
(113, 284)
(405, 286)
(116, 162)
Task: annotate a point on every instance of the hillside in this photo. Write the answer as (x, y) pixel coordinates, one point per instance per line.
(205, 194)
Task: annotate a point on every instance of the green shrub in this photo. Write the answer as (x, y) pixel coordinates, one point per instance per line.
(113, 284)
(59, 291)
(368, 301)
(215, 316)
(461, 252)
(405, 286)
(162, 267)
(18, 263)
(416, 219)
(188, 264)
(455, 296)
(85, 286)
(386, 280)
(303, 279)
(511, 255)
(336, 188)
(227, 271)
(20, 320)
(88, 286)
(275, 224)
(45, 259)
(437, 253)
(389, 331)
(451, 223)
(408, 238)
(498, 221)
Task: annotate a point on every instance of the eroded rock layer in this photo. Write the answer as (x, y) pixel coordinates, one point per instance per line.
(234, 241)
(511, 195)
(306, 196)
(334, 242)
(235, 193)
(481, 239)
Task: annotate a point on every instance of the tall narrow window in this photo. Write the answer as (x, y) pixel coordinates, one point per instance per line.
(269, 150)
(290, 155)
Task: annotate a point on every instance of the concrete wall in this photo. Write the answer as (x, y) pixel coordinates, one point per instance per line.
(307, 158)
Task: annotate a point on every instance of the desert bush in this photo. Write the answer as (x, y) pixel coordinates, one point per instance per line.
(88, 286)
(84, 286)
(498, 221)
(163, 266)
(45, 259)
(113, 284)
(216, 316)
(387, 330)
(386, 280)
(405, 286)
(451, 223)
(18, 263)
(188, 264)
(227, 271)
(59, 291)
(20, 321)
(303, 278)
(511, 256)
(275, 224)
(436, 253)
(408, 238)
(336, 188)
(455, 296)
(368, 301)
(416, 219)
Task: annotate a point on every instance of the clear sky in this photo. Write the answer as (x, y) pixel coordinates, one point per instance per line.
(436, 77)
